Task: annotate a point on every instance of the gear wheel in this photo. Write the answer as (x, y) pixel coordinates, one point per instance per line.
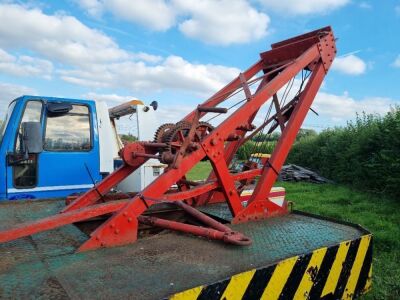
(162, 132)
(175, 137)
(204, 128)
(182, 122)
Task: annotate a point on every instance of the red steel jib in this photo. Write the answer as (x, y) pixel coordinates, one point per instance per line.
(183, 145)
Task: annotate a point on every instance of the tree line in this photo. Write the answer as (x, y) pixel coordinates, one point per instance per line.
(364, 153)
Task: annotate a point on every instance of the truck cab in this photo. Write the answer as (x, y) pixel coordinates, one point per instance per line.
(53, 147)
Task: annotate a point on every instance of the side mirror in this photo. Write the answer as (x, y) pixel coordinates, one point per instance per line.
(55, 109)
(32, 137)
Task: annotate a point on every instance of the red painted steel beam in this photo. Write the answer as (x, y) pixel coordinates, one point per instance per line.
(230, 150)
(230, 237)
(85, 213)
(288, 136)
(105, 235)
(263, 125)
(130, 165)
(241, 115)
(227, 184)
(233, 146)
(59, 220)
(225, 92)
(94, 194)
(318, 32)
(209, 186)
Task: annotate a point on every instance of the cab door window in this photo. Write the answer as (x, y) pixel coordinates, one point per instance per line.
(70, 131)
(25, 171)
(32, 113)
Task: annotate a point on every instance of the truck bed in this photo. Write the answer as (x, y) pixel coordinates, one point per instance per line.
(46, 266)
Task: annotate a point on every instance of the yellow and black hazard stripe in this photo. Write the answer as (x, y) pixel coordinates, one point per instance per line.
(342, 271)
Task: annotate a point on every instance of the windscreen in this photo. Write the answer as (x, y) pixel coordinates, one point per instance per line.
(5, 119)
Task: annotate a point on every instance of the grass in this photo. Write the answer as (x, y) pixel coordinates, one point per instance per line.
(378, 214)
(200, 171)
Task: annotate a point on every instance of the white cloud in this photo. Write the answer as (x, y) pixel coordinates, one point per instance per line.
(343, 107)
(24, 65)
(337, 109)
(166, 112)
(109, 98)
(340, 108)
(125, 124)
(172, 73)
(350, 65)
(59, 37)
(396, 63)
(222, 22)
(93, 7)
(304, 7)
(172, 113)
(90, 58)
(156, 14)
(333, 109)
(9, 92)
(147, 57)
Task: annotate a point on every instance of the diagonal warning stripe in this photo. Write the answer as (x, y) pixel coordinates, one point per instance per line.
(238, 285)
(311, 273)
(364, 280)
(336, 269)
(323, 273)
(213, 291)
(258, 283)
(279, 278)
(347, 265)
(295, 277)
(356, 269)
(368, 284)
(191, 294)
(340, 271)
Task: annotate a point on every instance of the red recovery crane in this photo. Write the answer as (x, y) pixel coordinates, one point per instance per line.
(183, 145)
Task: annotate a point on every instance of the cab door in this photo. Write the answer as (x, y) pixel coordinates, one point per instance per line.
(22, 173)
(69, 162)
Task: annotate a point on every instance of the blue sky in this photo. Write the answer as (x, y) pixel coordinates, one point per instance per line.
(179, 52)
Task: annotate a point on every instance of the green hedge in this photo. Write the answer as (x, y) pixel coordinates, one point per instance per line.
(365, 153)
(265, 143)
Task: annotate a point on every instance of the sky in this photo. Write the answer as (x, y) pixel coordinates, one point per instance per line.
(180, 52)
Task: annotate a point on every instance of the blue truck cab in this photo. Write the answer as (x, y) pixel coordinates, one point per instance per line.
(68, 161)
(53, 147)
